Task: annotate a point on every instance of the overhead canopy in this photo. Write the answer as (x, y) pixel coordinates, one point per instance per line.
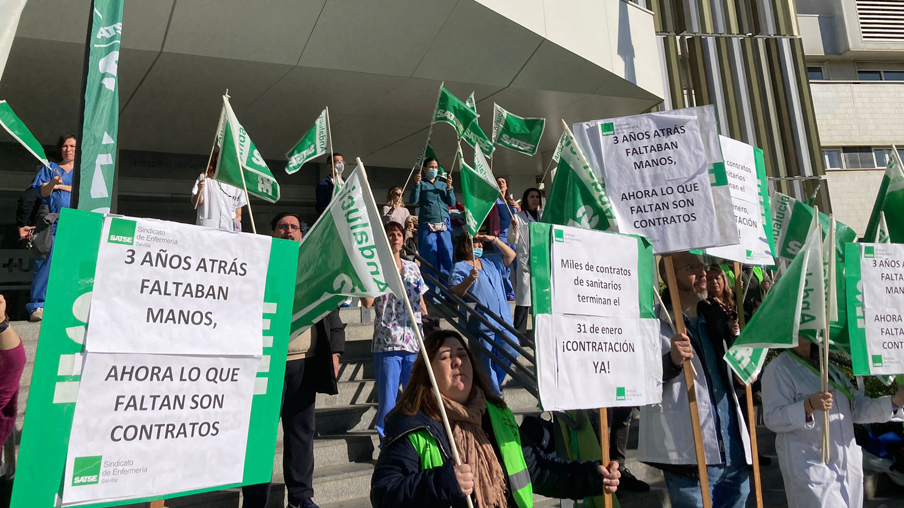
(377, 65)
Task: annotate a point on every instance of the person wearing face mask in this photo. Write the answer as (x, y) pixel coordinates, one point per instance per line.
(481, 276)
(434, 196)
(326, 187)
(55, 185)
(666, 433)
(500, 466)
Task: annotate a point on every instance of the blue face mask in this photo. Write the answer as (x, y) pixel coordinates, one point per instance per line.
(478, 253)
(431, 173)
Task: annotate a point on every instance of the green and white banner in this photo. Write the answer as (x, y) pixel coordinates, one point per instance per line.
(746, 173)
(190, 289)
(577, 198)
(428, 153)
(111, 429)
(666, 176)
(791, 220)
(796, 302)
(12, 10)
(451, 110)
(747, 362)
(479, 190)
(345, 253)
(875, 299)
(100, 129)
(313, 144)
(890, 200)
(474, 135)
(239, 163)
(557, 154)
(594, 319)
(17, 129)
(517, 133)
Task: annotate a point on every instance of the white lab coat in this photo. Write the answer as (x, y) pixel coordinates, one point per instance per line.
(521, 242)
(808, 481)
(666, 432)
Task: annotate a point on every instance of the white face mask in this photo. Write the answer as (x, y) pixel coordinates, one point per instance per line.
(339, 166)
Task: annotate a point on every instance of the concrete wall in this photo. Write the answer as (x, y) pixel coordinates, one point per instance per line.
(853, 193)
(865, 114)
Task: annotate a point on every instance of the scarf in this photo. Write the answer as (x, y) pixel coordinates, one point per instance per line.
(475, 449)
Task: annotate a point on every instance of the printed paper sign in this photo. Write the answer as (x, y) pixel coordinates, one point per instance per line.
(587, 283)
(608, 354)
(149, 425)
(171, 288)
(746, 173)
(656, 172)
(875, 299)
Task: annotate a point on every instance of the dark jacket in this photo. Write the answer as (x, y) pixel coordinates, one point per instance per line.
(330, 340)
(323, 194)
(28, 206)
(399, 481)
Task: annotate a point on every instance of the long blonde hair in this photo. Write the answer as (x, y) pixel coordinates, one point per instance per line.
(391, 202)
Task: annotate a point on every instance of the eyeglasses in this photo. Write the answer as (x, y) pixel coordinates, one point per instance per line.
(693, 268)
(287, 227)
(397, 194)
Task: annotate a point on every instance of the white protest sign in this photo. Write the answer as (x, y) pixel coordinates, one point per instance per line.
(170, 288)
(748, 197)
(586, 283)
(656, 174)
(146, 425)
(608, 354)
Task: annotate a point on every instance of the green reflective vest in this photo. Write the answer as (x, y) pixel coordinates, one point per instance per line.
(509, 440)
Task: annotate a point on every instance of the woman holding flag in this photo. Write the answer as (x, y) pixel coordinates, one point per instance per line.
(500, 467)
(792, 404)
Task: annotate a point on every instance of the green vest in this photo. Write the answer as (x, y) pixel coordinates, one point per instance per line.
(509, 440)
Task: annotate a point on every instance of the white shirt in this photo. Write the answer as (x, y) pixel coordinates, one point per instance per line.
(218, 209)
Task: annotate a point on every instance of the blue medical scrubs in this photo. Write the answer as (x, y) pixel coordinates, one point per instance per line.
(57, 200)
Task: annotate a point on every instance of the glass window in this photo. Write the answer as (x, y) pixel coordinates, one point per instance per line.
(832, 159)
(882, 155)
(869, 75)
(815, 74)
(858, 157)
(893, 75)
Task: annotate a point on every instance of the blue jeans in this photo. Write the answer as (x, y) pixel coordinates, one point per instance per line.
(390, 369)
(39, 282)
(729, 487)
(494, 372)
(436, 249)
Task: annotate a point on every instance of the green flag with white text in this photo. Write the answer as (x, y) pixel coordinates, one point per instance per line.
(428, 153)
(517, 133)
(345, 253)
(890, 200)
(313, 144)
(474, 135)
(796, 302)
(451, 110)
(17, 129)
(479, 190)
(239, 158)
(577, 198)
(100, 128)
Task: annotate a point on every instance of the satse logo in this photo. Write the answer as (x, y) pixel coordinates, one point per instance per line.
(86, 470)
(122, 231)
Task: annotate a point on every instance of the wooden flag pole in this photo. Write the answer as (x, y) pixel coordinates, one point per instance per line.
(216, 136)
(429, 133)
(329, 134)
(751, 415)
(689, 381)
(604, 448)
(158, 504)
(830, 296)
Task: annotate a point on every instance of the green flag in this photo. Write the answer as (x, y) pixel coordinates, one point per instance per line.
(557, 154)
(520, 134)
(474, 135)
(890, 200)
(240, 161)
(100, 128)
(451, 110)
(20, 132)
(882, 235)
(577, 198)
(479, 190)
(345, 253)
(793, 304)
(313, 144)
(428, 153)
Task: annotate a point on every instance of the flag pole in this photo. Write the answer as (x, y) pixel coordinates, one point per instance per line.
(423, 352)
(329, 133)
(548, 167)
(429, 133)
(689, 381)
(216, 136)
(751, 415)
(830, 304)
(604, 448)
(244, 185)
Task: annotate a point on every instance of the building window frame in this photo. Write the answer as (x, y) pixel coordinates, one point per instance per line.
(821, 68)
(881, 74)
(832, 154)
